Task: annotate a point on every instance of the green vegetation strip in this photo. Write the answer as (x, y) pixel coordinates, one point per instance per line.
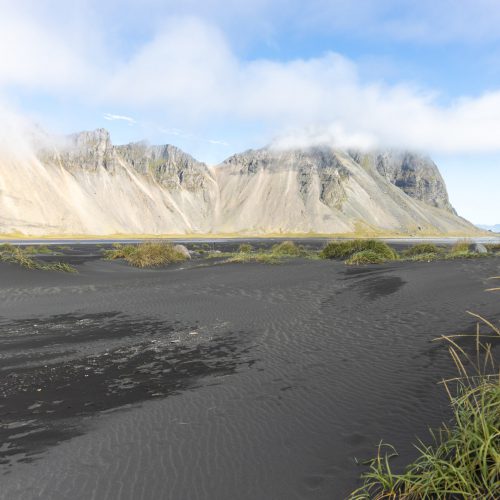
(24, 258)
(278, 253)
(463, 462)
(147, 254)
(353, 252)
(376, 249)
(356, 252)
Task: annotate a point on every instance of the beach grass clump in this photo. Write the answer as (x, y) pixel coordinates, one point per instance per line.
(365, 257)
(38, 250)
(421, 249)
(426, 257)
(462, 250)
(63, 267)
(463, 461)
(493, 247)
(465, 254)
(461, 247)
(276, 254)
(429, 252)
(119, 251)
(287, 249)
(146, 254)
(245, 248)
(423, 252)
(262, 257)
(347, 249)
(23, 257)
(154, 254)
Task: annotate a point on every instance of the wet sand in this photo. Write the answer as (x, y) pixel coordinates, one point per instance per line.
(207, 381)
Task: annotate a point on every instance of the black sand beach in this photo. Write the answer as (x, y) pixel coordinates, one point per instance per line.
(222, 381)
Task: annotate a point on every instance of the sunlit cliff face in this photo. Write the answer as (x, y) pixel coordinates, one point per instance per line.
(83, 184)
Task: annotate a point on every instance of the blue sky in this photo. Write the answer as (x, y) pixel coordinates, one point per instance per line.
(216, 77)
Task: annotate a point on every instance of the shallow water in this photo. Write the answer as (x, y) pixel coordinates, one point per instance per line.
(494, 238)
(221, 382)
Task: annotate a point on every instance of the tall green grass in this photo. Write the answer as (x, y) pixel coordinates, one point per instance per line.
(463, 460)
(366, 257)
(245, 248)
(276, 254)
(146, 254)
(374, 251)
(38, 250)
(287, 249)
(262, 257)
(23, 257)
(357, 252)
(493, 247)
(422, 249)
(461, 246)
(119, 251)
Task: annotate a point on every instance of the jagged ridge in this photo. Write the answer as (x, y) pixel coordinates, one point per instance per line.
(89, 186)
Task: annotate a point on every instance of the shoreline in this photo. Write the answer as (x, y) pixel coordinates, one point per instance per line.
(208, 238)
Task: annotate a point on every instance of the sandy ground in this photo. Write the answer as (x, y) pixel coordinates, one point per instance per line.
(234, 381)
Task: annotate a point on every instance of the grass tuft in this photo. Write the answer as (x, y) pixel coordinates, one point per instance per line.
(262, 257)
(461, 246)
(422, 249)
(37, 250)
(245, 248)
(119, 251)
(59, 266)
(463, 461)
(276, 254)
(23, 257)
(465, 254)
(493, 247)
(147, 254)
(365, 257)
(287, 248)
(347, 249)
(425, 257)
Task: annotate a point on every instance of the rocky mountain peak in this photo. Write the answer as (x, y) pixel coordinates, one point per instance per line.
(166, 164)
(160, 189)
(87, 150)
(415, 174)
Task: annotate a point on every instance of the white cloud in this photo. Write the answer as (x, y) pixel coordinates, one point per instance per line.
(192, 137)
(173, 131)
(182, 69)
(189, 74)
(425, 21)
(42, 55)
(218, 143)
(20, 136)
(110, 117)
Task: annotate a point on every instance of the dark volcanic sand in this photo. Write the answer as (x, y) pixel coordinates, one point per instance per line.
(237, 381)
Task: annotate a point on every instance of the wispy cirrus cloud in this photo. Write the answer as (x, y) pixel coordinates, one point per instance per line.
(190, 136)
(111, 117)
(217, 142)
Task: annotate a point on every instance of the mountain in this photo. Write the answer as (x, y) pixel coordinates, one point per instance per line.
(494, 229)
(88, 186)
(85, 185)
